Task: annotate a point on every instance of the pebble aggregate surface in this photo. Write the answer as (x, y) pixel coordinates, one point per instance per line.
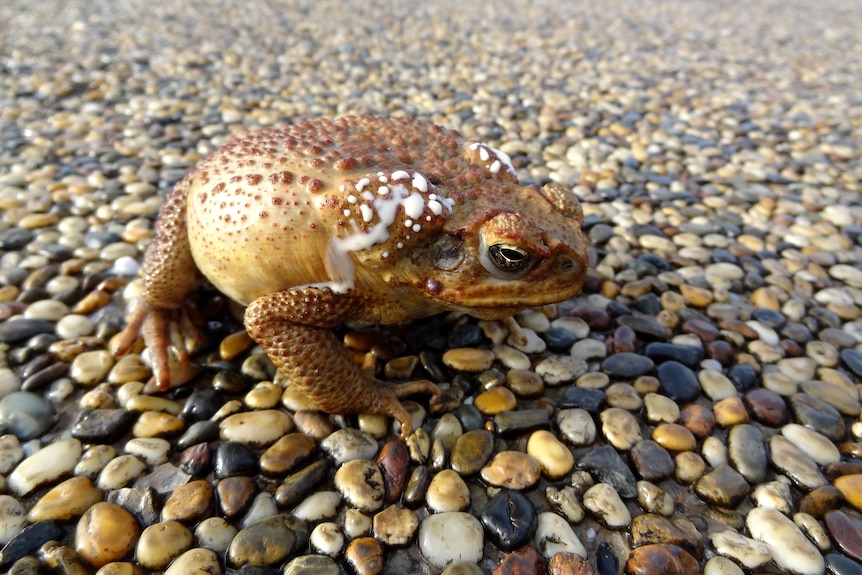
(695, 410)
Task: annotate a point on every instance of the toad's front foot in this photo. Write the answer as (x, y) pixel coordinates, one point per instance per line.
(161, 329)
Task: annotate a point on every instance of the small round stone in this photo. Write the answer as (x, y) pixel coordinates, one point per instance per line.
(447, 492)
(553, 457)
(511, 470)
(161, 543)
(791, 550)
(106, 532)
(395, 526)
(554, 535)
(361, 483)
(509, 520)
(448, 537)
(603, 501)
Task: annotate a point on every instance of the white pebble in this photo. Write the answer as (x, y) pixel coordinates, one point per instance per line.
(556, 369)
(327, 539)
(818, 447)
(13, 516)
(605, 503)
(47, 465)
(554, 535)
(577, 426)
(454, 536)
(319, 505)
(791, 550)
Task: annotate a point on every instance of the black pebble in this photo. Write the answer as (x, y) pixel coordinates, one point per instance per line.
(509, 520)
(688, 355)
(21, 329)
(559, 340)
(201, 404)
(627, 365)
(585, 398)
(606, 465)
(102, 425)
(742, 376)
(234, 458)
(678, 382)
(28, 541)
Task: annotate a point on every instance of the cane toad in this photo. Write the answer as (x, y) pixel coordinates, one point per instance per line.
(360, 219)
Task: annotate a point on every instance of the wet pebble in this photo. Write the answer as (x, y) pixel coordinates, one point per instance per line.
(747, 452)
(25, 415)
(47, 465)
(627, 365)
(161, 543)
(106, 532)
(678, 382)
(794, 463)
(554, 535)
(723, 486)
(509, 520)
(553, 457)
(661, 558)
(603, 501)
(448, 537)
(748, 552)
(395, 526)
(576, 427)
(511, 470)
(791, 550)
(360, 482)
(266, 542)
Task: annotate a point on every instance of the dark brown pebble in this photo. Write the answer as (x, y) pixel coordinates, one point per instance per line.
(597, 319)
(625, 339)
(791, 348)
(706, 331)
(835, 470)
(821, 501)
(10, 308)
(45, 376)
(721, 351)
(722, 486)
(698, 419)
(394, 462)
(289, 453)
(524, 561)
(68, 349)
(299, 484)
(846, 532)
(651, 460)
(472, 451)
(767, 407)
(365, 556)
(195, 460)
(661, 559)
(569, 564)
(417, 485)
(739, 327)
(651, 528)
(850, 449)
(235, 494)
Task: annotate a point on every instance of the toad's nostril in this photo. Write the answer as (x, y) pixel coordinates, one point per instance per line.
(567, 264)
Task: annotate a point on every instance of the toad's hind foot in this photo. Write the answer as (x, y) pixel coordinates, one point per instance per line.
(161, 329)
(385, 399)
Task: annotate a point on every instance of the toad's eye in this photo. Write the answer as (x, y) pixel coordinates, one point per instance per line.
(506, 261)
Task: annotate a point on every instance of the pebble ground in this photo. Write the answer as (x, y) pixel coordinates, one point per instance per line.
(696, 409)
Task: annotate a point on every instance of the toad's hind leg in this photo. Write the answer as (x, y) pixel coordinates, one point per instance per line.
(170, 274)
(294, 328)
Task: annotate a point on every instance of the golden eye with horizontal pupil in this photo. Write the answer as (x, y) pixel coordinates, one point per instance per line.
(511, 259)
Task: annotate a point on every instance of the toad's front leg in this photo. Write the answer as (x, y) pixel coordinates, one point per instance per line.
(294, 328)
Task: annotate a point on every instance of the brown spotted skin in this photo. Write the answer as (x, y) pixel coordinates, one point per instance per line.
(367, 220)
